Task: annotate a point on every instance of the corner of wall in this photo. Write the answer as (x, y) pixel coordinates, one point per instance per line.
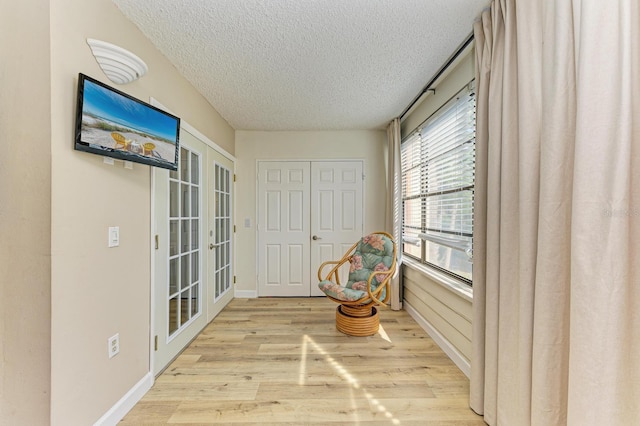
(25, 214)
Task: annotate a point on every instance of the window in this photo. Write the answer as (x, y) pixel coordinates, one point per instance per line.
(438, 168)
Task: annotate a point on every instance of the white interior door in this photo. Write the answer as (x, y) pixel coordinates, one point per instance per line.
(220, 233)
(308, 212)
(283, 228)
(192, 264)
(179, 235)
(337, 215)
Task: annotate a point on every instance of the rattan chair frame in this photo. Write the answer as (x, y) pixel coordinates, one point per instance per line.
(372, 297)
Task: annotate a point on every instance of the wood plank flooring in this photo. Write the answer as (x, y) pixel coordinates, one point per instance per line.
(280, 361)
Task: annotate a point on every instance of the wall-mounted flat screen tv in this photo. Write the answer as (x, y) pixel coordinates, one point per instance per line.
(114, 124)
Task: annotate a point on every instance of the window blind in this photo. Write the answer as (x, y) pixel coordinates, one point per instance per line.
(438, 170)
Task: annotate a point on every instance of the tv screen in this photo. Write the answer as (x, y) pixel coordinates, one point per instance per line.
(112, 123)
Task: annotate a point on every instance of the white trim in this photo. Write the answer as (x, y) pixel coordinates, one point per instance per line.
(152, 292)
(126, 403)
(189, 128)
(245, 294)
(446, 346)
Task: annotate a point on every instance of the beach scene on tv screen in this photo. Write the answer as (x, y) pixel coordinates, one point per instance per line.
(110, 120)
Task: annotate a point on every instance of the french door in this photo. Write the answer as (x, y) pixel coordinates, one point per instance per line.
(193, 246)
(220, 240)
(308, 212)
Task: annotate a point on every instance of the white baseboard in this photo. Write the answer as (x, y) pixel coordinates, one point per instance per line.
(245, 294)
(126, 403)
(446, 346)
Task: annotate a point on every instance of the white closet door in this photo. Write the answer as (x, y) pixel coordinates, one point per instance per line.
(308, 212)
(283, 234)
(337, 215)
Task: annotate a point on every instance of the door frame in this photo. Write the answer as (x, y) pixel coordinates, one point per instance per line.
(310, 160)
(152, 264)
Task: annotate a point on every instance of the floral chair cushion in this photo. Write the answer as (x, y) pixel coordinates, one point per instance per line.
(373, 253)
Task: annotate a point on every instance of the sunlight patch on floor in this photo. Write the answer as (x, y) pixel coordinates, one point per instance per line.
(303, 363)
(383, 333)
(345, 375)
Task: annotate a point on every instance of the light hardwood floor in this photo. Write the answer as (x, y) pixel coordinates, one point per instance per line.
(281, 361)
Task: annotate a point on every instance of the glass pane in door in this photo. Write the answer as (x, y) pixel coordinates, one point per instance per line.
(183, 295)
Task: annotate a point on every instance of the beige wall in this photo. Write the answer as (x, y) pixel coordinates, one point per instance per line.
(98, 291)
(252, 146)
(461, 72)
(25, 230)
(440, 306)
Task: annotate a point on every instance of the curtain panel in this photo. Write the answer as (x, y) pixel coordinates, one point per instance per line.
(556, 321)
(393, 211)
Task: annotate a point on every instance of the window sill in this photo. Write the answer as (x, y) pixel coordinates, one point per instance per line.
(455, 286)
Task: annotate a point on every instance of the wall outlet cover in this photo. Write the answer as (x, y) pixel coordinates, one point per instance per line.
(114, 345)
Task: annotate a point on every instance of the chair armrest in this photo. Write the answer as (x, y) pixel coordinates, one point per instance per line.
(385, 283)
(334, 271)
(328, 262)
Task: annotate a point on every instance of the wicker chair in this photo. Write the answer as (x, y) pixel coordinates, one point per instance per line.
(372, 264)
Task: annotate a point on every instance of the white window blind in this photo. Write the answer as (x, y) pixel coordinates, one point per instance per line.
(438, 165)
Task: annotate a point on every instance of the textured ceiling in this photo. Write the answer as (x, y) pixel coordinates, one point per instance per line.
(303, 64)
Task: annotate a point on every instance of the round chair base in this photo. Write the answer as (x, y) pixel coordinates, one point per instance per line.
(356, 322)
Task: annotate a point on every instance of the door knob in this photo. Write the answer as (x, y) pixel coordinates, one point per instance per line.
(315, 237)
(211, 246)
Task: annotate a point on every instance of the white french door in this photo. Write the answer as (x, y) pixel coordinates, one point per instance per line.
(308, 212)
(192, 210)
(220, 276)
(179, 233)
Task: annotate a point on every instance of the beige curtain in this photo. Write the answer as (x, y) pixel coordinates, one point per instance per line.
(394, 206)
(556, 322)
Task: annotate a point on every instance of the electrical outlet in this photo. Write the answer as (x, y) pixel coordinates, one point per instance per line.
(114, 345)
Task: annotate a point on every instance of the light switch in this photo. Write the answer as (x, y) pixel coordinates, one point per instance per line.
(247, 223)
(114, 236)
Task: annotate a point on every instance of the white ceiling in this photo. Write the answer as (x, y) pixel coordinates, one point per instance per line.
(306, 64)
